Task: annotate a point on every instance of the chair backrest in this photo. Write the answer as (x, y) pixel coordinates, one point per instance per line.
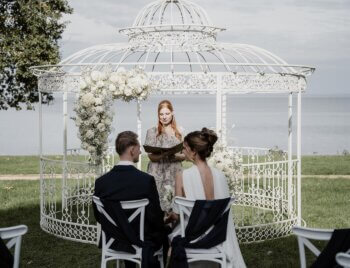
(185, 209)
(14, 235)
(304, 234)
(138, 205)
(343, 259)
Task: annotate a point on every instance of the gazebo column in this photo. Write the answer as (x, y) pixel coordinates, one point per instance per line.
(40, 126)
(65, 114)
(139, 128)
(223, 118)
(41, 152)
(299, 159)
(64, 165)
(220, 111)
(290, 144)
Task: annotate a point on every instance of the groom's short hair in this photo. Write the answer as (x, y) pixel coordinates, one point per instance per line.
(124, 140)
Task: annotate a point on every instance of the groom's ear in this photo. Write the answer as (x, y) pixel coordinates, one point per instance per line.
(131, 150)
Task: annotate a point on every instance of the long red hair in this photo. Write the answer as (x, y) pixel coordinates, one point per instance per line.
(167, 104)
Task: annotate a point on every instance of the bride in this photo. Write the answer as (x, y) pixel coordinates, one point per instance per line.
(204, 182)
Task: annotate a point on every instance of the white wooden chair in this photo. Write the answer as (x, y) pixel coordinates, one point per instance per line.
(109, 254)
(343, 259)
(304, 234)
(14, 235)
(214, 254)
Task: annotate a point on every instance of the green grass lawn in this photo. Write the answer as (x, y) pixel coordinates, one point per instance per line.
(325, 165)
(311, 165)
(325, 204)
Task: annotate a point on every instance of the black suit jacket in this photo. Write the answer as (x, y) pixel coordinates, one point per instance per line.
(125, 183)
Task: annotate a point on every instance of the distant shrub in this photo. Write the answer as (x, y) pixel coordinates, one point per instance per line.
(345, 152)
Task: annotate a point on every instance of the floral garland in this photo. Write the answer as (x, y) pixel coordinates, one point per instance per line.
(225, 160)
(94, 115)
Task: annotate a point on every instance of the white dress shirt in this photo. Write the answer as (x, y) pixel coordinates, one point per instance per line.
(125, 163)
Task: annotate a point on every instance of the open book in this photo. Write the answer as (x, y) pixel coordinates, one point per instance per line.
(159, 150)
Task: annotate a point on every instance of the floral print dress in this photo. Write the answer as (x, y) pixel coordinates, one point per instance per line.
(163, 171)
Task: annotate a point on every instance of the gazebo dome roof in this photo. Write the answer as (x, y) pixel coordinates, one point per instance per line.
(176, 37)
(184, 21)
(171, 12)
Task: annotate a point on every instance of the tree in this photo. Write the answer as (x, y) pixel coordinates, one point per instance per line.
(29, 34)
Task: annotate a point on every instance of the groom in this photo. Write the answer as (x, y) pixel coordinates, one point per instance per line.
(125, 182)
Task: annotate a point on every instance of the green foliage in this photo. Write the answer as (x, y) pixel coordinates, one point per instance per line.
(29, 34)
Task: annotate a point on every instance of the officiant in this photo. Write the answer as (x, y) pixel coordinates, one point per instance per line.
(163, 166)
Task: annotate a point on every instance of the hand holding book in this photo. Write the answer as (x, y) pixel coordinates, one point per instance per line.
(166, 151)
(167, 154)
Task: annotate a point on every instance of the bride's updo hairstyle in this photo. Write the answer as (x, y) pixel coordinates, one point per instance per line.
(201, 142)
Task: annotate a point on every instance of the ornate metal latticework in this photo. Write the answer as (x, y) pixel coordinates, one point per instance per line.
(176, 44)
(265, 192)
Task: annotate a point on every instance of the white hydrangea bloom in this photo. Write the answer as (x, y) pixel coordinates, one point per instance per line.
(89, 134)
(128, 91)
(88, 99)
(108, 121)
(112, 88)
(101, 127)
(78, 122)
(98, 101)
(100, 84)
(94, 119)
(99, 109)
(91, 149)
(96, 75)
(103, 76)
(114, 77)
(84, 145)
(82, 84)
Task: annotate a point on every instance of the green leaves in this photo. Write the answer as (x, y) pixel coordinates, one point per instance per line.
(29, 34)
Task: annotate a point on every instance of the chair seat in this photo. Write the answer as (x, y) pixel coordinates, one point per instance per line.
(127, 254)
(123, 253)
(213, 250)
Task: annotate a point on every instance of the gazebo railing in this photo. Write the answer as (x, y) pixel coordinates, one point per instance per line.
(266, 200)
(265, 204)
(66, 209)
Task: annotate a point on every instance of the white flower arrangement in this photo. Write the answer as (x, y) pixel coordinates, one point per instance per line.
(225, 160)
(93, 108)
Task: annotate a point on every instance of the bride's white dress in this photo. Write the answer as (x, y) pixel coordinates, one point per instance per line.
(193, 188)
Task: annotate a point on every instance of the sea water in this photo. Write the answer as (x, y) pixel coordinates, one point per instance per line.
(252, 121)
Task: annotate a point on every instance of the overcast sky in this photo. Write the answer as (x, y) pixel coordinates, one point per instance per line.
(305, 32)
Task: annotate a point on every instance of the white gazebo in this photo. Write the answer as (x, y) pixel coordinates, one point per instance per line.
(174, 41)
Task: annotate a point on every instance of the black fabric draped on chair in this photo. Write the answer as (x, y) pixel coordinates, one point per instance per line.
(339, 242)
(6, 258)
(124, 233)
(205, 214)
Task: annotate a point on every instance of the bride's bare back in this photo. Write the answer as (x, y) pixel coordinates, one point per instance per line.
(207, 181)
